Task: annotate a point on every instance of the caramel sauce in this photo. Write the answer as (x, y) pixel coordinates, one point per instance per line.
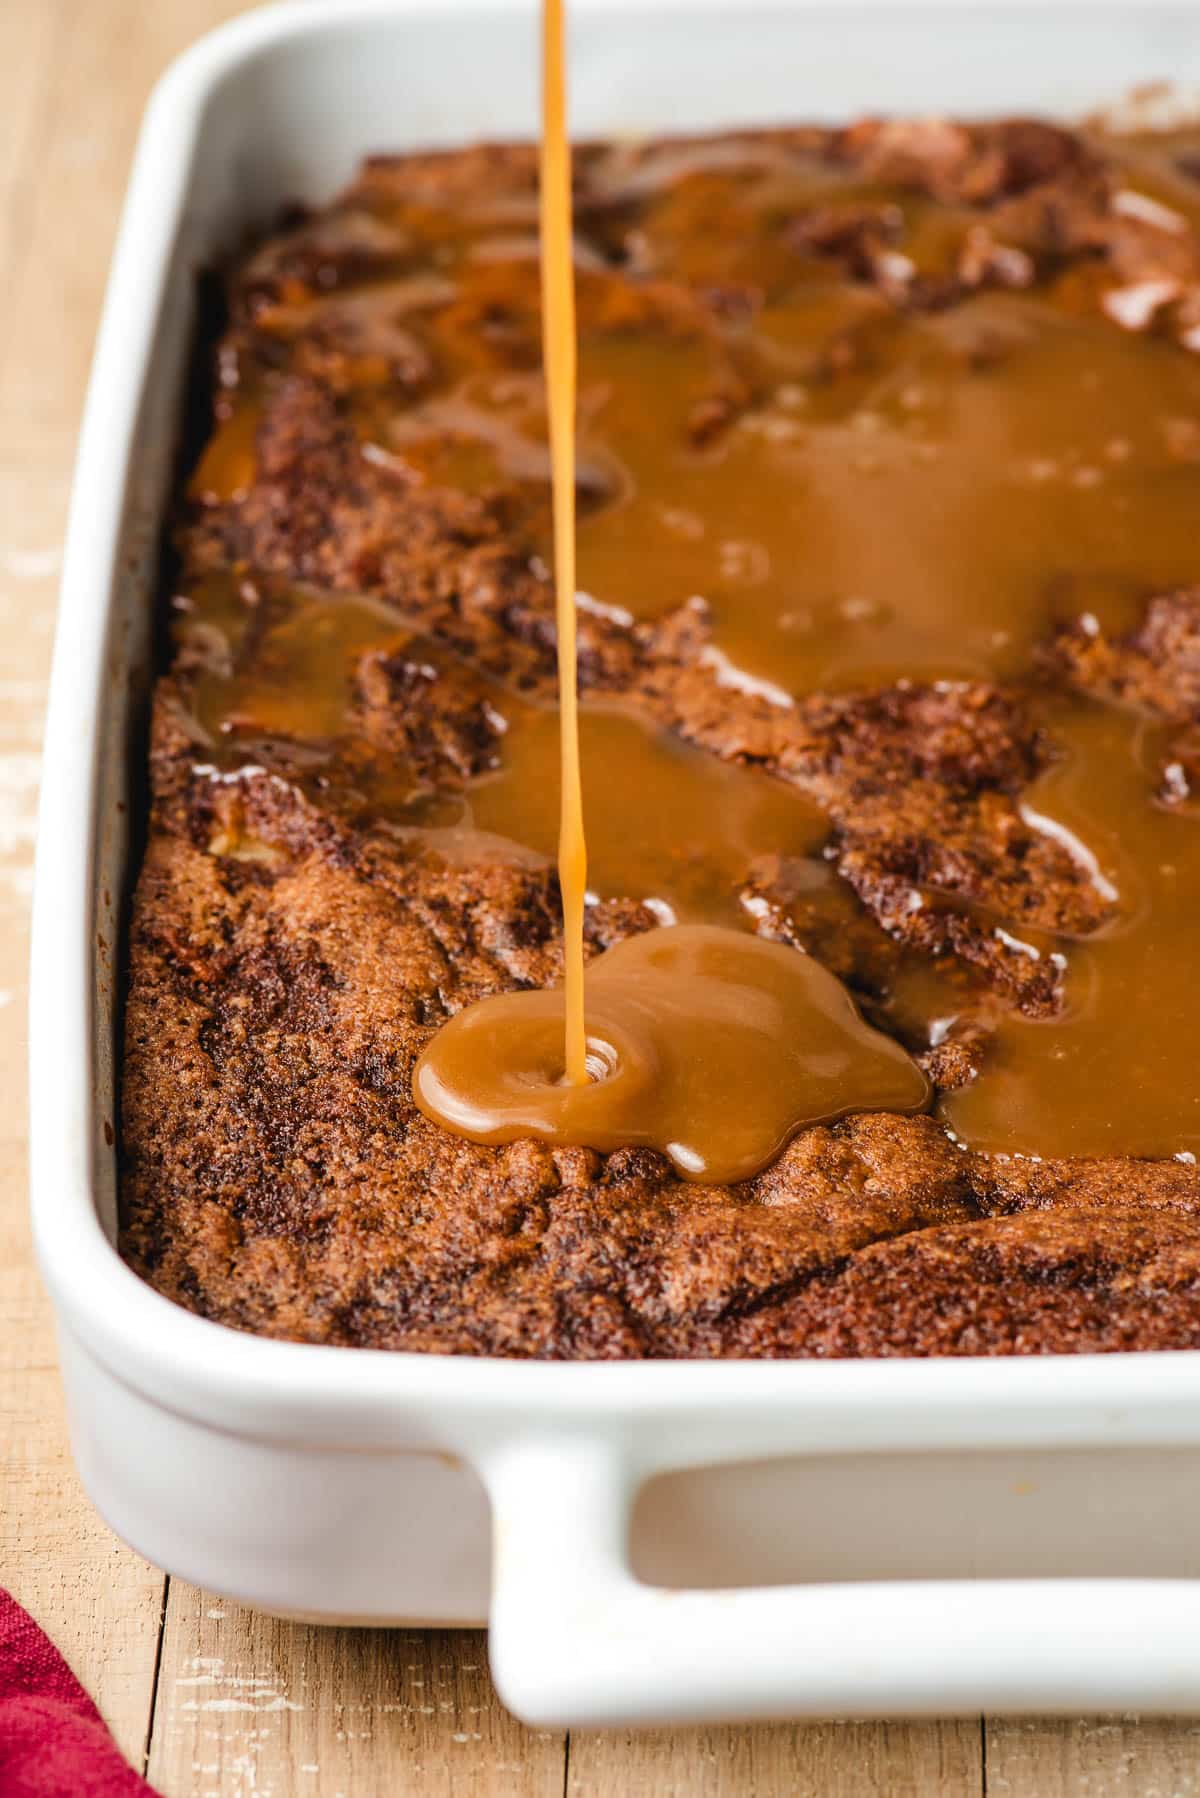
(703, 1042)
(664, 823)
(911, 522)
(862, 494)
(1115, 1073)
(226, 468)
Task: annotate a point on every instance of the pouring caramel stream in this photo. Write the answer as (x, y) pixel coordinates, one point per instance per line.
(558, 354)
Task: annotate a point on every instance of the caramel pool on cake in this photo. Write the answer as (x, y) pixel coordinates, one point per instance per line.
(887, 469)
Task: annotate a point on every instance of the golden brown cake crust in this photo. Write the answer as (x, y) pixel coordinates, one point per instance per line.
(292, 949)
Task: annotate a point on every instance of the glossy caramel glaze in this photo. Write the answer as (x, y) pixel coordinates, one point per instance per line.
(861, 491)
(979, 487)
(702, 1042)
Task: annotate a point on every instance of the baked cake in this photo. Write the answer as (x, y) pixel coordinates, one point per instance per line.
(949, 374)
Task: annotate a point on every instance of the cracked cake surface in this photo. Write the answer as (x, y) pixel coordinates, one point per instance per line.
(362, 653)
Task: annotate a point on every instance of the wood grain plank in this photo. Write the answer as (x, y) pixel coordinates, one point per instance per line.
(248, 1704)
(29, 36)
(106, 59)
(821, 1760)
(1095, 1757)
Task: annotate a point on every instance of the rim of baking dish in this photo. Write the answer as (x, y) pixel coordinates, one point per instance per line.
(235, 1379)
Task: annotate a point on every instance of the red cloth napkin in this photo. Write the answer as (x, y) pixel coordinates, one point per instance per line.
(53, 1743)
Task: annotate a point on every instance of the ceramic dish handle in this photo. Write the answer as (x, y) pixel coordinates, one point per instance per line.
(576, 1640)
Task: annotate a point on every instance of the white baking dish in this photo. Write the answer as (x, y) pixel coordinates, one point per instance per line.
(1007, 1534)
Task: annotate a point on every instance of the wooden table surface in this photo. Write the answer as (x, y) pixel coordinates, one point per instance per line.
(212, 1700)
